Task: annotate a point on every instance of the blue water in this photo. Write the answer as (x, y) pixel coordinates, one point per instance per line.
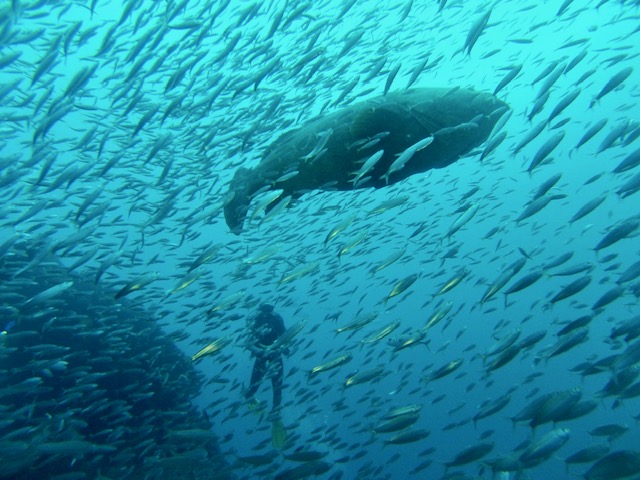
(518, 33)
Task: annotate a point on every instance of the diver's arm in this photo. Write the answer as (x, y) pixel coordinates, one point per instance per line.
(254, 345)
(278, 324)
(258, 349)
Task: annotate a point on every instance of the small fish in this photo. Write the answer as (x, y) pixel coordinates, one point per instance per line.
(543, 448)
(619, 232)
(359, 322)
(382, 333)
(388, 204)
(463, 219)
(470, 454)
(556, 406)
(490, 407)
(492, 144)
(559, 260)
(587, 208)
(438, 315)
(347, 247)
(304, 470)
(609, 296)
(226, 302)
(407, 436)
(364, 376)
(205, 256)
(511, 74)
(305, 455)
(630, 187)
(287, 337)
(397, 422)
(591, 132)
(137, 284)
(611, 430)
(367, 167)
(276, 209)
(454, 281)
(529, 137)
(503, 358)
(631, 273)
(338, 229)
(532, 339)
(407, 341)
(267, 199)
(259, 460)
(49, 293)
(388, 261)
(335, 363)
(572, 288)
(404, 410)
(72, 448)
(476, 30)
(507, 274)
(399, 163)
(614, 136)
(187, 280)
(613, 83)
(401, 285)
(629, 162)
(616, 465)
(446, 369)
(574, 269)
(286, 177)
(567, 342)
(188, 24)
(392, 75)
(416, 72)
(212, 348)
(524, 282)
(538, 106)
(588, 454)
(264, 254)
(563, 104)
(323, 138)
(298, 272)
(554, 72)
(545, 150)
(580, 322)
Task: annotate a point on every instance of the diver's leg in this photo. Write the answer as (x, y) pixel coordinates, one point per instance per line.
(276, 382)
(259, 369)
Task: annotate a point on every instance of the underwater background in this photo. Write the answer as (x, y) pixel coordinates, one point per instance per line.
(122, 126)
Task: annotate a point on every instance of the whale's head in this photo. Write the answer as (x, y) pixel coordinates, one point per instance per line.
(238, 199)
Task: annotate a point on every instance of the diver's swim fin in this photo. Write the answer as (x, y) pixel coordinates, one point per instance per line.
(278, 434)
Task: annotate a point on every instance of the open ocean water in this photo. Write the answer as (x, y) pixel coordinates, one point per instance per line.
(123, 125)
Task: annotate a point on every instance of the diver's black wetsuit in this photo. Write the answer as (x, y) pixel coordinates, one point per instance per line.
(266, 328)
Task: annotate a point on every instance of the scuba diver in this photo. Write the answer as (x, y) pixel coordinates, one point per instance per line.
(265, 328)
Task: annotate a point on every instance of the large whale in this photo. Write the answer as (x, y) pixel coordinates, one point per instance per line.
(330, 151)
